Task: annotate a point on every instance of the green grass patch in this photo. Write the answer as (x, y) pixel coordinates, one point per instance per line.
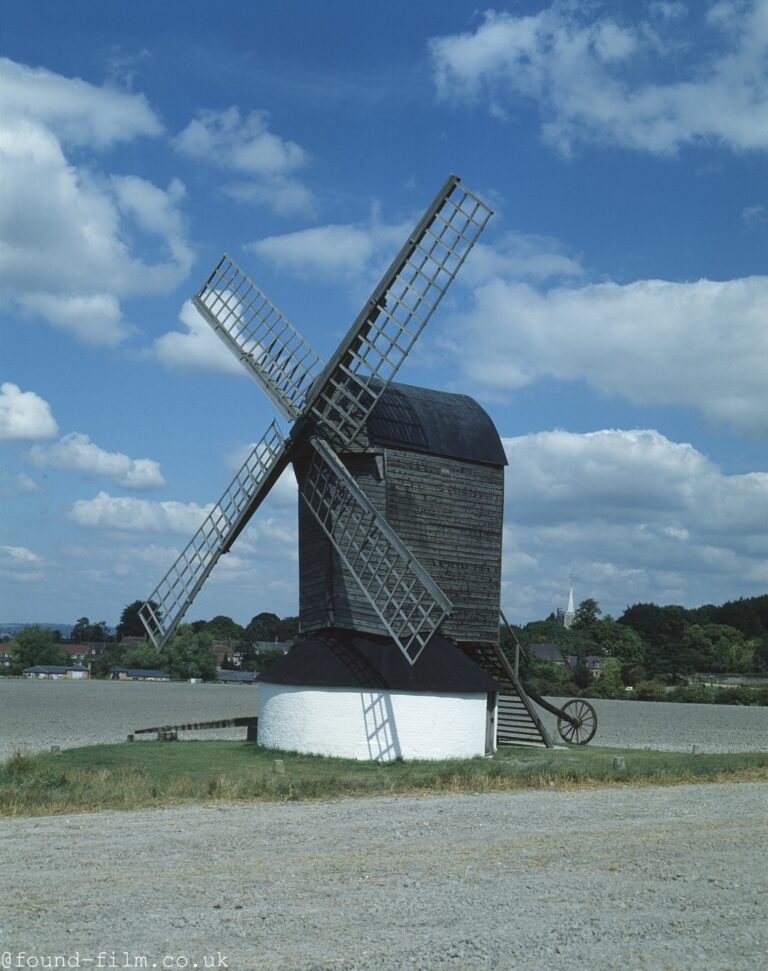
(160, 774)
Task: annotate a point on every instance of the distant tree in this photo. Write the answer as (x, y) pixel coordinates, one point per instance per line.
(610, 678)
(586, 614)
(113, 655)
(35, 645)
(198, 626)
(632, 673)
(581, 676)
(85, 632)
(730, 649)
(130, 623)
(223, 628)
(144, 656)
(646, 619)
(650, 691)
(611, 639)
(750, 615)
(188, 655)
(262, 627)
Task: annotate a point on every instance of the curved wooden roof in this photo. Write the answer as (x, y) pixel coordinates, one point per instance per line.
(436, 423)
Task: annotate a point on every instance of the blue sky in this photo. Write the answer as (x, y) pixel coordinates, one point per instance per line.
(613, 319)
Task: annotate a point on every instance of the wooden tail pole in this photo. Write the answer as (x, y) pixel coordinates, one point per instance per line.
(515, 641)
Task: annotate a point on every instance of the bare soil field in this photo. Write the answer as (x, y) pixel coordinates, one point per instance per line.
(37, 714)
(624, 878)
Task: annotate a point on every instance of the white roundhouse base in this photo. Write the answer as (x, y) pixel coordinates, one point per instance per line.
(372, 725)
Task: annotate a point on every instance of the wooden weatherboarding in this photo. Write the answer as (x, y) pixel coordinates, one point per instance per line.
(401, 488)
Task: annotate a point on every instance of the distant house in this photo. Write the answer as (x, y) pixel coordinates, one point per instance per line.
(547, 652)
(225, 651)
(57, 672)
(129, 642)
(283, 646)
(5, 657)
(76, 652)
(239, 677)
(593, 661)
(138, 674)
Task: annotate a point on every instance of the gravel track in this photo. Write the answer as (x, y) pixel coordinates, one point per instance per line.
(656, 878)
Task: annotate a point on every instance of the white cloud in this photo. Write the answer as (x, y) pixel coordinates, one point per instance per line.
(95, 319)
(77, 112)
(25, 485)
(264, 162)
(77, 451)
(702, 345)
(139, 515)
(196, 348)
(24, 416)
(20, 565)
(349, 251)
(633, 516)
(20, 555)
(68, 232)
(344, 251)
(520, 257)
(754, 215)
(584, 74)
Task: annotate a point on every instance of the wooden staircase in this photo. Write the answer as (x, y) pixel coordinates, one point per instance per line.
(517, 721)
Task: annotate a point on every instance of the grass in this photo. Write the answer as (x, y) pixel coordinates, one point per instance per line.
(153, 774)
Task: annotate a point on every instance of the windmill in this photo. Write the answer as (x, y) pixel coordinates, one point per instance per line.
(373, 460)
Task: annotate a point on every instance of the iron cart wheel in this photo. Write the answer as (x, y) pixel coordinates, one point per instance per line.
(578, 722)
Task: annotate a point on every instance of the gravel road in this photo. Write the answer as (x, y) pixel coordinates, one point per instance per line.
(657, 878)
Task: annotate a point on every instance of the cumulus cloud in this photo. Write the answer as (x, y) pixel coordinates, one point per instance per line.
(195, 348)
(77, 112)
(754, 215)
(343, 251)
(24, 415)
(702, 345)
(138, 515)
(67, 229)
(20, 555)
(586, 74)
(76, 451)
(20, 565)
(520, 257)
(262, 163)
(633, 516)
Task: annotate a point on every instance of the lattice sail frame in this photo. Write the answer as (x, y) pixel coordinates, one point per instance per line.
(390, 323)
(169, 601)
(261, 337)
(341, 396)
(406, 599)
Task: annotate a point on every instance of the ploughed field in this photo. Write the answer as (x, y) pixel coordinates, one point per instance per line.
(37, 714)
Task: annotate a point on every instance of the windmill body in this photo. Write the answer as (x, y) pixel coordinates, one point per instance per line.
(400, 515)
(433, 465)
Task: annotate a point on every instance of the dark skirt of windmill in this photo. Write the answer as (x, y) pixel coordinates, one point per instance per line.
(433, 464)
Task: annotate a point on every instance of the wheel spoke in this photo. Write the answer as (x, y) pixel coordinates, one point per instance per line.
(578, 722)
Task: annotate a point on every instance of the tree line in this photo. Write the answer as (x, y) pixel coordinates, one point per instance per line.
(648, 645)
(188, 654)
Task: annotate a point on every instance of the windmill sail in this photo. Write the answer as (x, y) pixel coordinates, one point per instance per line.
(409, 603)
(388, 326)
(260, 336)
(168, 603)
